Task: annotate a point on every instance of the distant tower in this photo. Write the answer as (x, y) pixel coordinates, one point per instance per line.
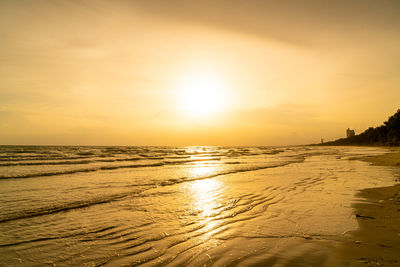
(322, 140)
(350, 133)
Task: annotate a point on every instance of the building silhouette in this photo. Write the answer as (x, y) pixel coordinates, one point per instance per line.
(350, 133)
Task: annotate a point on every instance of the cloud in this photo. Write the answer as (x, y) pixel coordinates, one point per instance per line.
(299, 22)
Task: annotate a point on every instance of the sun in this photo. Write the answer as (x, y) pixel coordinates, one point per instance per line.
(201, 93)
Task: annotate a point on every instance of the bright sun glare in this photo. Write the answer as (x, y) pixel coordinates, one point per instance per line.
(201, 94)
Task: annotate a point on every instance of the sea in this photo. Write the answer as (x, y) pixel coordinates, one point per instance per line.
(180, 206)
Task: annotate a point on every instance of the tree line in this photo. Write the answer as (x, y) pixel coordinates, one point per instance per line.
(387, 134)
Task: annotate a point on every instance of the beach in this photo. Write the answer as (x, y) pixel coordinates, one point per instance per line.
(199, 133)
(198, 206)
(377, 242)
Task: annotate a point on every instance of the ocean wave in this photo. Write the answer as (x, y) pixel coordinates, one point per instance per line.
(11, 158)
(247, 169)
(94, 169)
(85, 204)
(111, 167)
(65, 207)
(66, 162)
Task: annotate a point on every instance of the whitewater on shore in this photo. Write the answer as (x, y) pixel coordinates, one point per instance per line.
(194, 206)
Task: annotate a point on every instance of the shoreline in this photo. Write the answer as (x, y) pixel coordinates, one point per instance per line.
(377, 241)
(391, 159)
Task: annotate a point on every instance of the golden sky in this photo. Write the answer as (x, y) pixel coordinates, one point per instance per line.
(207, 72)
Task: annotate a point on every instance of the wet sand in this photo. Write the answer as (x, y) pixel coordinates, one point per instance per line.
(377, 242)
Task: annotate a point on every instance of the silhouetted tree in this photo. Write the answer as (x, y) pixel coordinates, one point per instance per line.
(387, 134)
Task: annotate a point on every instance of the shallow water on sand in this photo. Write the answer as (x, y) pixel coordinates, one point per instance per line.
(118, 206)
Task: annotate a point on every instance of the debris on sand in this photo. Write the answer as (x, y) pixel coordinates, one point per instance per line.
(364, 217)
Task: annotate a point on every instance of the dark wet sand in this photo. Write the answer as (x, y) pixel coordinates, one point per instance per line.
(377, 242)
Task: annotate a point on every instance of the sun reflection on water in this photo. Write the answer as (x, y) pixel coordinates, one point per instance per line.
(202, 170)
(206, 197)
(204, 194)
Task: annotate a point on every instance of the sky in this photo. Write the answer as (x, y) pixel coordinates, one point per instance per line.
(207, 72)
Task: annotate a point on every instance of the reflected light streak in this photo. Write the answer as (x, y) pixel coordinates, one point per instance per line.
(207, 197)
(205, 192)
(202, 171)
(206, 202)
